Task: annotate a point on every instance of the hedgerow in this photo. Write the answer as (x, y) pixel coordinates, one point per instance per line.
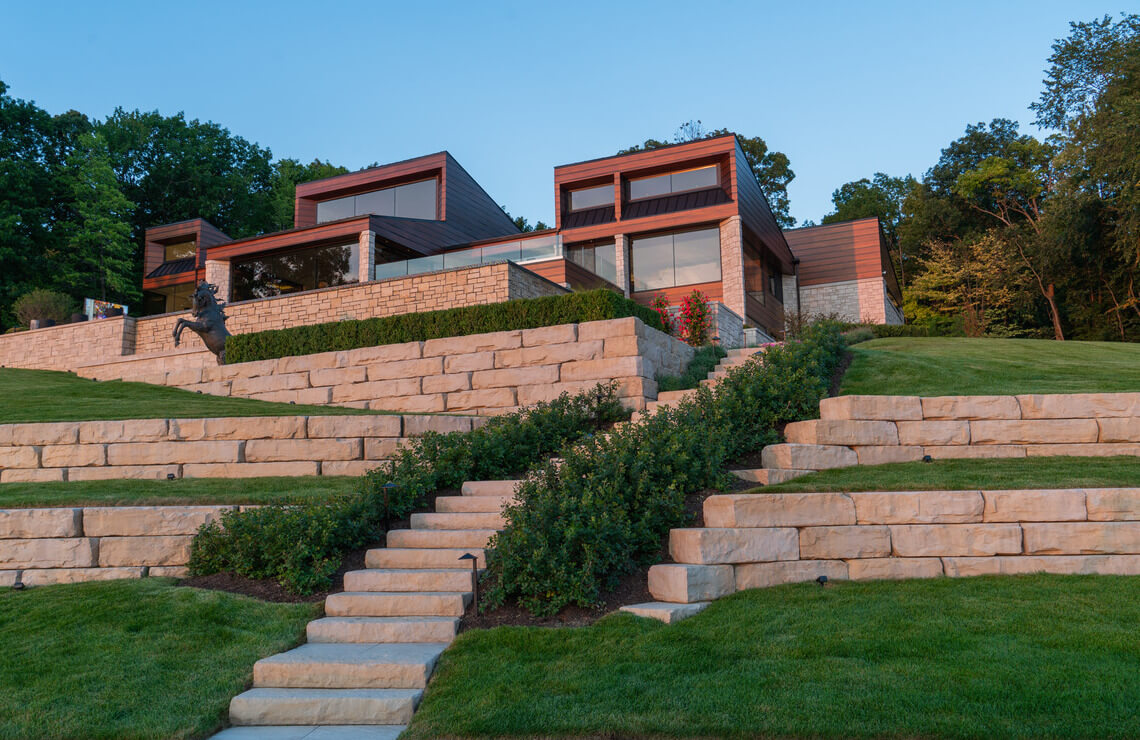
(527, 313)
(578, 526)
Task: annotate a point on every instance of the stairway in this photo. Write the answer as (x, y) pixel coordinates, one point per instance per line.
(366, 663)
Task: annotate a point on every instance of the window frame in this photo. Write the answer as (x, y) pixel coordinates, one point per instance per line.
(570, 208)
(393, 188)
(629, 182)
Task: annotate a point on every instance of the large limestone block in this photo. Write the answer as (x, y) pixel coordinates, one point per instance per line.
(835, 543)
(778, 510)
(559, 334)
(384, 353)
(238, 428)
(374, 425)
(1123, 429)
(165, 453)
(934, 432)
(881, 408)
(665, 612)
(938, 540)
(1034, 431)
(133, 521)
(712, 546)
(510, 377)
(71, 552)
(1113, 504)
(125, 472)
(470, 362)
(306, 396)
(381, 448)
(251, 469)
(1109, 449)
(415, 426)
(485, 398)
(973, 452)
(606, 369)
(1060, 564)
(19, 457)
(763, 575)
(381, 389)
(551, 354)
(447, 383)
(406, 369)
(1056, 505)
(1080, 538)
(413, 404)
(842, 432)
(681, 583)
(1079, 405)
(310, 363)
(283, 450)
(473, 343)
(338, 376)
(918, 507)
(34, 523)
(55, 576)
(160, 550)
(893, 569)
(65, 433)
(354, 468)
(607, 328)
(629, 346)
(532, 394)
(807, 457)
(970, 407)
(269, 384)
(32, 475)
(63, 456)
(882, 455)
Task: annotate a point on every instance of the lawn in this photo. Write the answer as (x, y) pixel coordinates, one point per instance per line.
(132, 659)
(942, 475)
(197, 491)
(46, 395)
(1005, 657)
(950, 367)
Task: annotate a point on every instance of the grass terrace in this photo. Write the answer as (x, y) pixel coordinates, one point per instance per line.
(187, 491)
(957, 366)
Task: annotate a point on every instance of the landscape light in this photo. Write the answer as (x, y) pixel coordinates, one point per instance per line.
(170, 476)
(822, 580)
(927, 458)
(474, 578)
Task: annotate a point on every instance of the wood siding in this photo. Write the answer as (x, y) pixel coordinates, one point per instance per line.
(755, 214)
(851, 250)
(565, 272)
(204, 234)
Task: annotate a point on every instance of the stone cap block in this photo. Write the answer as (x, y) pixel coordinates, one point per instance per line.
(63, 433)
(126, 521)
(778, 510)
(711, 546)
(1079, 405)
(38, 523)
(807, 457)
(383, 353)
(473, 343)
(881, 408)
(842, 432)
(1056, 505)
(1113, 504)
(918, 507)
(375, 425)
(237, 428)
(970, 407)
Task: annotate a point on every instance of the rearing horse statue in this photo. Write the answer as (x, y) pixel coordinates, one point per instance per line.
(211, 323)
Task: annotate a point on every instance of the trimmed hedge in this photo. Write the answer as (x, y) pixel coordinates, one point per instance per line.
(580, 525)
(526, 313)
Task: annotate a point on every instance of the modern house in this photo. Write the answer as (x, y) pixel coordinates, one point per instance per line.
(669, 220)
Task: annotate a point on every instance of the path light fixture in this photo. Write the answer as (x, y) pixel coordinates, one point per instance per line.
(822, 581)
(474, 578)
(18, 584)
(389, 489)
(170, 476)
(927, 458)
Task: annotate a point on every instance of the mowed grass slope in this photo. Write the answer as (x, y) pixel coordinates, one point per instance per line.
(957, 366)
(45, 395)
(1011, 657)
(134, 660)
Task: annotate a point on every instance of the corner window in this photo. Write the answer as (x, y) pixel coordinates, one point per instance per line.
(699, 178)
(600, 259)
(669, 260)
(179, 251)
(414, 200)
(306, 269)
(602, 195)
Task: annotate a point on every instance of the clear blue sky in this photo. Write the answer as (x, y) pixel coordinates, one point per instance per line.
(845, 89)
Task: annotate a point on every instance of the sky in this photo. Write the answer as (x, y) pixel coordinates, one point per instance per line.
(513, 89)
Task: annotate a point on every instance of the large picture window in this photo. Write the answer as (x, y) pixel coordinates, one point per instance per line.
(414, 200)
(179, 251)
(669, 260)
(307, 269)
(699, 178)
(600, 259)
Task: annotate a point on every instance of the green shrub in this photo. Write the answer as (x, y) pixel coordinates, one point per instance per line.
(880, 331)
(704, 360)
(43, 304)
(858, 334)
(579, 526)
(529, 313)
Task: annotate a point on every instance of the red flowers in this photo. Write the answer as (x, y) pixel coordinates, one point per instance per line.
(696, 318)
(660, 304)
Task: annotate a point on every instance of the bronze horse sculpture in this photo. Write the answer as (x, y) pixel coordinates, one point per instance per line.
(211, 323)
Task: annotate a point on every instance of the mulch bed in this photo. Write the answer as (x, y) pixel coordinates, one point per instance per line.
(840, 371)
(268, 589)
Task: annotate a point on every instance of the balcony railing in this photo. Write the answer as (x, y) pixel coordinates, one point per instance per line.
(520, 251)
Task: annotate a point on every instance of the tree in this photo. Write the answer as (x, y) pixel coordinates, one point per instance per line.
(287, 174)
(522, 224)
(772, 169)
(882, 198)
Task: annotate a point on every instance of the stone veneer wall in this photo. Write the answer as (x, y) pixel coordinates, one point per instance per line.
(863, 300)
(69, 345)
(481, 373)
(209, 448)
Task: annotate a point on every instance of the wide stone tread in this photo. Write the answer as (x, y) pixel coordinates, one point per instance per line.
(769, 476)
(267, 706)
(397, 604)
(472, 504)
(382, 629)
(664, 612)
(478, 520)
(349, 666)
(667, 397)
(312, 732)
(408, 579)
(421, 557)
(489, 488)
(440, 538)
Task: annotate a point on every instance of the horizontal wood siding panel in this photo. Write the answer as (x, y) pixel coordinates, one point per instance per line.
(756, 215)
(714, 292)
(851, 250)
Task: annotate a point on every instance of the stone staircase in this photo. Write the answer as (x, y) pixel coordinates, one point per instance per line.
(366, 663)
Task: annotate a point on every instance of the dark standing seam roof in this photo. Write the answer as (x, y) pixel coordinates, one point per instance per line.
(588, 217)
(173, 267)
(671, 203)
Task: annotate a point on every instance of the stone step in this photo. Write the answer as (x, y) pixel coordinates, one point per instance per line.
(769, 476)
(489, 488)
(440, 538)
(324, 706)
(397, 604)
(469, 504)
(664, 612)
(417, 557)
(349, 666)
(673, 396)
(382, 629)
(457, 521)
(408, 579)
(743, 351)
(312, 732)
(844, 432)
(679, 583)
(791, 456)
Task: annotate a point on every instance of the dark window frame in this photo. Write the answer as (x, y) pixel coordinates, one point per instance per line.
(629, 182)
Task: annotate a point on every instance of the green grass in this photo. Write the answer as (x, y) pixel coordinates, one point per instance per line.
(132, 659)
(951, 367)
(45, 395)
(198, 491)
(1007, 657)
(949, 475)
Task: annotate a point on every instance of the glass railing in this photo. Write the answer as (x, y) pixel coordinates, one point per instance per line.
(520, 251)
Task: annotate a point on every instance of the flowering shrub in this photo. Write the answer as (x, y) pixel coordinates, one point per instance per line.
(660, 304)
(696, 318)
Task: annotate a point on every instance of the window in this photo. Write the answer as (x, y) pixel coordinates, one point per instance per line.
(307, 269)
(602, 195)
(776, 283)
(700, 178)
(179, 251)
(753, 273)
(600, 259)
(414, 200)
(668, 260)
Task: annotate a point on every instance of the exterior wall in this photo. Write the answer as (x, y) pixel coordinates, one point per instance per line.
(481, 373)
(366, 252)
(218, 273)
(729, 326)
(242, 447)
(791, 295)
(621, 247)
(864, 300)
(732, 265)
(70, 345)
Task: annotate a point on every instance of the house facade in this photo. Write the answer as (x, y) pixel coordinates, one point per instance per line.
(663, 221)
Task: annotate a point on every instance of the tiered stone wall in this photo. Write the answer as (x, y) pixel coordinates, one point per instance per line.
(863, 300)
(209, 448)
(70, 345)
(760, 540)
(482, 373)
